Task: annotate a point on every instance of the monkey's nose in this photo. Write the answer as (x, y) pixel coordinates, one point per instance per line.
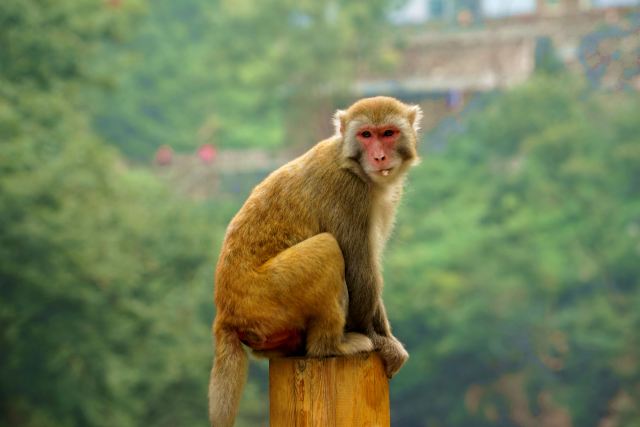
(379, 158)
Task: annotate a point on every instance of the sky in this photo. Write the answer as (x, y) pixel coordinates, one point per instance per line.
(417, 11)
(510, 7)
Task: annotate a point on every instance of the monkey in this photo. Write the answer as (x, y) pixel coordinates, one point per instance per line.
(299, 269)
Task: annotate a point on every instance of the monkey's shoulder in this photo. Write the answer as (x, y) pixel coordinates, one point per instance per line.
(277, 210)
(311, 176)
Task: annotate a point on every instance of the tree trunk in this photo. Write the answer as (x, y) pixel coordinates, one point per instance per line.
(330, 392)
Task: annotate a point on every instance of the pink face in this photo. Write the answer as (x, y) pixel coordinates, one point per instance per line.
(379, 143)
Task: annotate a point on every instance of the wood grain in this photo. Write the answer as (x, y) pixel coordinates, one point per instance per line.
(329, 392)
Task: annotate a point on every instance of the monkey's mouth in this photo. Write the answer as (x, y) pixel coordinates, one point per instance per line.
(385, 172)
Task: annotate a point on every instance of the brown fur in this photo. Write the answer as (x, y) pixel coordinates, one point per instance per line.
(313, 224)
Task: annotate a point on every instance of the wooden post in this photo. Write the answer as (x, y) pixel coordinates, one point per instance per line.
(331, 392)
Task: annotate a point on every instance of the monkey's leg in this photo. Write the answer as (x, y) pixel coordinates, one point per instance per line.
(326, 337)
(306, 283)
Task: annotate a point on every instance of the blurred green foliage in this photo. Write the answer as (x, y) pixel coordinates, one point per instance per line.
(513, 274)
(516, 254)
(104, 291)
(228, 72)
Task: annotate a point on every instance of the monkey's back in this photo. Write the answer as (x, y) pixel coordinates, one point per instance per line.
(280, 212)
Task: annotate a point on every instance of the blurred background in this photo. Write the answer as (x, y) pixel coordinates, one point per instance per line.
(131, 131)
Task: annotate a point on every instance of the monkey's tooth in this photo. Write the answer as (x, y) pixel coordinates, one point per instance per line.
(385, 172)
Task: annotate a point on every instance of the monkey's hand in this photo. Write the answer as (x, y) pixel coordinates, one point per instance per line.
(392, 352)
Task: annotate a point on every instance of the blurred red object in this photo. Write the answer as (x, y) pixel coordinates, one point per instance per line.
(207, 153)
(164, 155)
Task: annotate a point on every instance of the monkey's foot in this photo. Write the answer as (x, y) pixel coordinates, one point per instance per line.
(354, 342)
(349, 343)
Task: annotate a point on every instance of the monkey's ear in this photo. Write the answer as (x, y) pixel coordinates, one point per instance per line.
(415, 116)
(339, 121)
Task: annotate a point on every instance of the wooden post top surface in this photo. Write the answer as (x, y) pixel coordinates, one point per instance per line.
(348, 391)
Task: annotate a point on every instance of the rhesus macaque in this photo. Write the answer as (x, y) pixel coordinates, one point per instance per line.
(299, 270)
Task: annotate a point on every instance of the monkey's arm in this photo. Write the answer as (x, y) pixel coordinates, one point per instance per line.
(366, 309)
(381, 324)
(364, 294)
(391, 350)
(367, 313)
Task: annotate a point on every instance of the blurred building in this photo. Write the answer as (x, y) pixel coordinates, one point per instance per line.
(462, 47)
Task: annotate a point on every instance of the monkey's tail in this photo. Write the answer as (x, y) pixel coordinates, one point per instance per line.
(228, 376)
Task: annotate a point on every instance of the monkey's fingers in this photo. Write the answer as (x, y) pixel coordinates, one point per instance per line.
(392, 352)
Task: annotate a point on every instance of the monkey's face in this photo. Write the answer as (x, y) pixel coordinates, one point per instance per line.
(383, 149)
(379, 134)
(379, 144)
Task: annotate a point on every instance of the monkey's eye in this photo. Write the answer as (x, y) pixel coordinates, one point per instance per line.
(366, 134)
(388, 132)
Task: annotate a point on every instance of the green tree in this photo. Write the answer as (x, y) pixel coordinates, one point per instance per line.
(514, 268)
(105, 277)
(237, 73)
